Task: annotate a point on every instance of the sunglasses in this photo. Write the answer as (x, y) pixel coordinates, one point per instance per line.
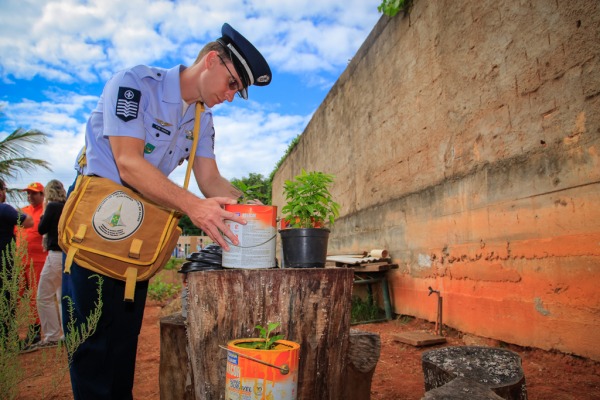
(233, 83)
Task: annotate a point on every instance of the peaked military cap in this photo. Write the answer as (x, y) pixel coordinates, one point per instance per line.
(250, 65)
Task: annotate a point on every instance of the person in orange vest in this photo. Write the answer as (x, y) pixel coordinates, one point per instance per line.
(35, 249)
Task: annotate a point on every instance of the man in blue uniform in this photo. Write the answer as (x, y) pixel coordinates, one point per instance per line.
(140, 131)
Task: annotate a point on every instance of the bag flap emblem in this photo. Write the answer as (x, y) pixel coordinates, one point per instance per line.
(118, 216)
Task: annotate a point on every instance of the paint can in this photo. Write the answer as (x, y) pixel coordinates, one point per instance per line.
(257, 239)
(259, 374)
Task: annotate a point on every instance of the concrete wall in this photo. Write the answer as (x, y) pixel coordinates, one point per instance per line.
(465, 139)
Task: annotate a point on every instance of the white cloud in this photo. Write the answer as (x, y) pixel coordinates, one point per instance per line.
(58, 118)
(246, 140)
(68, 39)
(81, 43)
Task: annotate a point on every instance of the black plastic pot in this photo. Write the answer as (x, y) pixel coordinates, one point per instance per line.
(304, 247)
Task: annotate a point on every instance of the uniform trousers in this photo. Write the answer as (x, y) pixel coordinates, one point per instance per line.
(48, 297)
(103, 366)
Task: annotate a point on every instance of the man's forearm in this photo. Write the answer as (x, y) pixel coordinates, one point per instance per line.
(221, 187)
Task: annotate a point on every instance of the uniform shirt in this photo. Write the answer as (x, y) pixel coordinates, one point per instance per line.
(145, 103)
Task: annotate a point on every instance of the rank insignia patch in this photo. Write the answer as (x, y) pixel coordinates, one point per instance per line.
(128, 103)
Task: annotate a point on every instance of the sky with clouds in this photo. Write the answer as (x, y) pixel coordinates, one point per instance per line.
(55, 56)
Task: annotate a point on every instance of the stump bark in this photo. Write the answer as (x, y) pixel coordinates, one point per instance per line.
(498, 369)
(312, 305)
(364, 349)
(174, 374)
(363, 353)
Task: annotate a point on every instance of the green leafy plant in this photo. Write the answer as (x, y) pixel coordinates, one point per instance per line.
(249, 192)
(161, 291)
(267, 341)
(17, 316)
(289, 149)
(393, 7)
(77, 332)
(173, 264)
(309, 202)
(363, 311)
(253, 187)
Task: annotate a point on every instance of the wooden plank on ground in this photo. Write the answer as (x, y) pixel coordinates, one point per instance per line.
(418, 338)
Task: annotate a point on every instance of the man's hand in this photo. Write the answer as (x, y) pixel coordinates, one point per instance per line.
(210, 216)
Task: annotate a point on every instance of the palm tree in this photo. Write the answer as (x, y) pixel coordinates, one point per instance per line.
(13, 149)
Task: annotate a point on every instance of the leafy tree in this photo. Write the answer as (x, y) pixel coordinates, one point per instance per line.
(254, 186)
(188, 228)
(13, 151)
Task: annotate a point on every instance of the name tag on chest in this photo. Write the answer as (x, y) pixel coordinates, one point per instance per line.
(161, 129)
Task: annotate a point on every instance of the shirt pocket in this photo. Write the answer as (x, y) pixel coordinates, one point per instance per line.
(159, 140)
(185, 141)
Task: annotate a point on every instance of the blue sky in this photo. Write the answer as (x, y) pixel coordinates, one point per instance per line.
(55, 56)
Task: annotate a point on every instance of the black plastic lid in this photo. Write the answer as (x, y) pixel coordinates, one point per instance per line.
(195, 266)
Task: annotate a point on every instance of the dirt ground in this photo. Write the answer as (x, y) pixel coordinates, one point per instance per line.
(398, 375)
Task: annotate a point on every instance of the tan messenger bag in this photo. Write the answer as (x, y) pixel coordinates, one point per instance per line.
(112, 230)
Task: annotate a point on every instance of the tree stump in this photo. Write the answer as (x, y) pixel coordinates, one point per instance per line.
(312, 305)
(175, 373)
(461, 389)
(498, 369)
(363, 353)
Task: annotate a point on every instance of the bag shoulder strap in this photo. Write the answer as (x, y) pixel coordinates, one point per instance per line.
(199, 111)
(82, 159)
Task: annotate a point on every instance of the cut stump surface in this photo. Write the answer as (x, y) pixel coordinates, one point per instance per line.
(498, 369)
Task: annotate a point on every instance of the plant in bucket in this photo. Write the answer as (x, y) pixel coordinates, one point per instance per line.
(309, 205)
(262, 368)
(256, 248)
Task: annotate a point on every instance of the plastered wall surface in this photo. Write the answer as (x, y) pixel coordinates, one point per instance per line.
(465, 139)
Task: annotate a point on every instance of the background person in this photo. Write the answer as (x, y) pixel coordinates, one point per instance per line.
(49, 286)
(140, 131)
(10, 218)
(36, 253)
